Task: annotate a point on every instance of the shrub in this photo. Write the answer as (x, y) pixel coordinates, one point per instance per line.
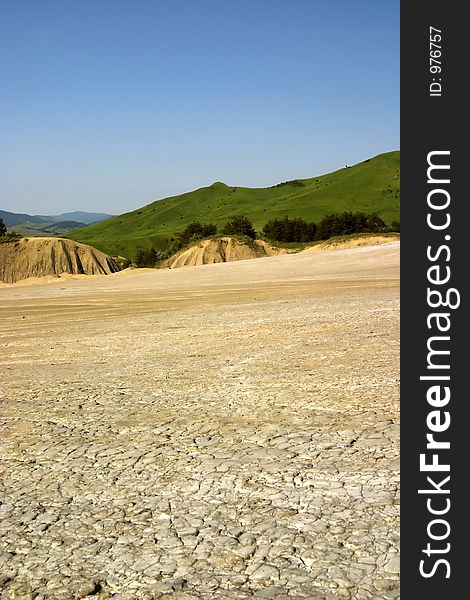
(146, 258)
(293, 183)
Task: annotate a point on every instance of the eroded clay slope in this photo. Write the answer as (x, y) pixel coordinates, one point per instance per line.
(224, 249)
(39, 257)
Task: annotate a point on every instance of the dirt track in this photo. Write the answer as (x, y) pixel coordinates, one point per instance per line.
(223, 431)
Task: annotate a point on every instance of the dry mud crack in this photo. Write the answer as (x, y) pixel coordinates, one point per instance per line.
(224, 431)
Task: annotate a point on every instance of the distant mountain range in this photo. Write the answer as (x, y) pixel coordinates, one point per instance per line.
(49, 225)
(83, 218)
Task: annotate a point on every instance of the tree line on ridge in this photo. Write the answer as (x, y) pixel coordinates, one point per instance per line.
(285, 230)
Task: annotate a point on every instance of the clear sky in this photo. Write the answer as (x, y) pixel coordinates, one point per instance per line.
(107, 105)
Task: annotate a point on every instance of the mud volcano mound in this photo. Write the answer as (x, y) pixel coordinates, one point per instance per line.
(39, 257)
(224, 249)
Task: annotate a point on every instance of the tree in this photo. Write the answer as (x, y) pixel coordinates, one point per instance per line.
(196, 231)
(347, 222)
(3, 227)
(240, 226)
(375, 224)
(289, 230)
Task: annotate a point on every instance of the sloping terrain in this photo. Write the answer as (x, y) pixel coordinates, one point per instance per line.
(354, 241)
(39, 257)
(224, 249)
(370, 186)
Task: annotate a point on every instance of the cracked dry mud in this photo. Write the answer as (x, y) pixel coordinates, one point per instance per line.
(224, 431)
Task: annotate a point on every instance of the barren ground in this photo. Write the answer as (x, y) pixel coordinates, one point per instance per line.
(223, 431)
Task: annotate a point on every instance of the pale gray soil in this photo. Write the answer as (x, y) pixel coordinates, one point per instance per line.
(222, 431)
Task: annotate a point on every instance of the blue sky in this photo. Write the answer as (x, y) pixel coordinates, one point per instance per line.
(107, 105)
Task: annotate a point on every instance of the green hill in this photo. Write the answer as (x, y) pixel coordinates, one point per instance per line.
(370, 186)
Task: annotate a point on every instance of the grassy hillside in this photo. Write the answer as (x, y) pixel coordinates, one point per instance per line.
(370, 186)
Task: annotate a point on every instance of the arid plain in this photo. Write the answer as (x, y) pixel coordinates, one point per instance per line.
(219, 431)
